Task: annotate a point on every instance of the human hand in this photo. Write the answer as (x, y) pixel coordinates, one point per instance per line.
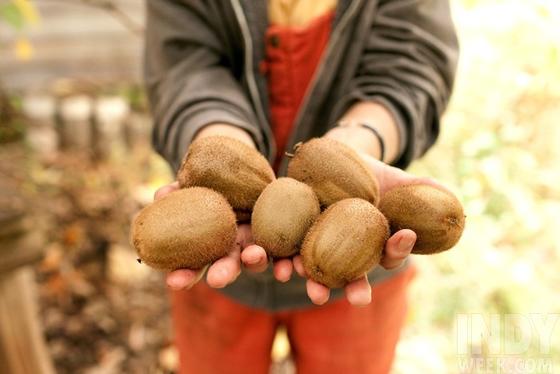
(225, 270)
(397, 248)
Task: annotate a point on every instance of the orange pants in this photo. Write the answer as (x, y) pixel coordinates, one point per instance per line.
(214, 334)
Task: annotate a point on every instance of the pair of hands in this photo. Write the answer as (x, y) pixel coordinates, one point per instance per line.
(253, 257)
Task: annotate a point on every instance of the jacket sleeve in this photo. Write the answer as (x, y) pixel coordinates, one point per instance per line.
(187, 77)
(409, 64)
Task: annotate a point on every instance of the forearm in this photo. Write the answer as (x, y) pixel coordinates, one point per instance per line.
(187, 83)
(364, 140)
(352, 134)
(408, 60)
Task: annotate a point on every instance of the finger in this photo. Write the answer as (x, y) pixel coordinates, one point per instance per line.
(390, 176)
(387, 176)
(298, 266)
(397, 248)
(358, 292)
(244, 236)
(254, 258)
(318, 293)
(162, 191)
(283, 270)
(225, 270)
(183, 279)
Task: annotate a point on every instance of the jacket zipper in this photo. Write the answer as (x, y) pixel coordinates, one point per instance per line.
(251, 80)
(318, 72)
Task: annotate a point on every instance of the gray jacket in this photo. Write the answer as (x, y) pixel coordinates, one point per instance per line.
(202, 66)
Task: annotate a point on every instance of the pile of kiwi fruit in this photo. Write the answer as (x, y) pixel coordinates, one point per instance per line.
(328, 209)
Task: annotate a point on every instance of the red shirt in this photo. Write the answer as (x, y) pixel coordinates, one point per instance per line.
(292, 56)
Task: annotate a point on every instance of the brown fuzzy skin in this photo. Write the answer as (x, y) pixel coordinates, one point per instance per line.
(434, 214)
(344, 243)
(188, 228)
(282, 215)
(227, 166)
(334, 171)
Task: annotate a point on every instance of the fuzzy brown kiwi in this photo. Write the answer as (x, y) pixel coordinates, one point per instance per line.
(227, 166)
(188, 228)
(282, 215)
(334, 171)
(433, 213)
(345, 242)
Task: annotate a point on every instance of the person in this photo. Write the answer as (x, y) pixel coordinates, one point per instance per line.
(373, 74)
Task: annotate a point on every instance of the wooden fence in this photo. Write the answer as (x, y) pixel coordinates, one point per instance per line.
(101, 126)
(74, 41)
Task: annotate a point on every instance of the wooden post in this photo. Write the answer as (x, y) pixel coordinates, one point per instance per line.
(41, 134)
(22, 347)
(75, 112)
(110, 115)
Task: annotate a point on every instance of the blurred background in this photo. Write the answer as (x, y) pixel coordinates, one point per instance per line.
(76, 164)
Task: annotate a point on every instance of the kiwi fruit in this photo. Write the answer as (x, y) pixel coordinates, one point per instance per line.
(282, 215)
(188, 228)
(334, 171)
(227, 166)
(345, 242)
(433, 213)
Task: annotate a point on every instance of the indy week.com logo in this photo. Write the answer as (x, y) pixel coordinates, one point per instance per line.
(507, 343)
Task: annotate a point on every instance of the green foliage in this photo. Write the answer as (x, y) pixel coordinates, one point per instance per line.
(11, 124)
(19, 14)
(11, 131)
(136, 96)
(12, 15)
(499, 152)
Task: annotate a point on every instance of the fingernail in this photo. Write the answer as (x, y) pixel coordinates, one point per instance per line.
(405, 245)
(224, 273)
(362, 300)
(253, 261)
(284, 277)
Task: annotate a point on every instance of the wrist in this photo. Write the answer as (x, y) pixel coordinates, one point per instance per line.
(377, 119)
(357, 137)
(374, 142)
